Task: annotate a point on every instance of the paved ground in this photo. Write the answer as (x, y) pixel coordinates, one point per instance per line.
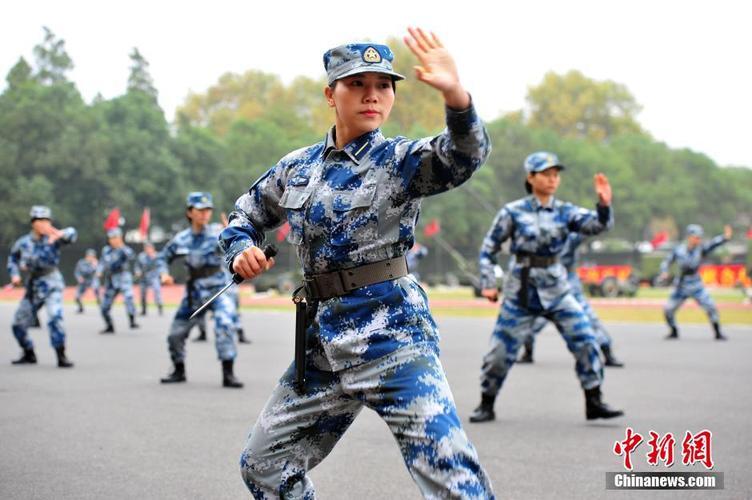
(108, 429)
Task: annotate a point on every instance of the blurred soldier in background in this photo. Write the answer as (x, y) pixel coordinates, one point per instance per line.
(147, 275)
(204, 260)
(688, 283)
(86, 277)
(417, 253)
(37, 255)
(115, 275)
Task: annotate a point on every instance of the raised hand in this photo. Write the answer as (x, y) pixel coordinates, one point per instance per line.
(602, 189)
(727, 232)
(437, 67)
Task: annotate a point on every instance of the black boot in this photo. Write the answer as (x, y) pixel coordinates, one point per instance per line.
(527, 354)
(610, 359)
(484, 412)
(201, 336)
(80, 306)
(242, 338)
(62, 360)
(673, 335)
(132, 319)
(228, 377)
(177, 375)
(27, 358)
(718, 334)
(108, 325)
(595, 408)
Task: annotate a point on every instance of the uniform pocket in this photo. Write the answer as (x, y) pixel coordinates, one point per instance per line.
(294, 199)
(354, 222)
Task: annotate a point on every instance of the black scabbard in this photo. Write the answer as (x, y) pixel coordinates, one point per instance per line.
(301, 321)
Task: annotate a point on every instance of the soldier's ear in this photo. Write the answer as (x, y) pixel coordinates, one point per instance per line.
(329, 94)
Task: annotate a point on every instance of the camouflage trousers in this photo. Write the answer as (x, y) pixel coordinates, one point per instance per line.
(109, 297)
(407, 388)
(514, 325)
(601, 335)
(85, 285)
(223, 309)
(682, 293)
(156, 288)
(43, 294)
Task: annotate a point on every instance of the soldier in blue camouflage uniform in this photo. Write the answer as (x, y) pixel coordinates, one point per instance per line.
(147, 274)
(568, 259)
(537, 285)
(86, 277)
(688, 283)
(417, 253)
(37, 254)
(206, 275)
(115, 274)
(352, 202)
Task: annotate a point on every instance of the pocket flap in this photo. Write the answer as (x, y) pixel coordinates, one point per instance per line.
(294, 198)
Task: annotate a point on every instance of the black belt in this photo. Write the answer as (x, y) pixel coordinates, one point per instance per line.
(334, 284)
(325, 286)
(202, 272)
(41, 272)
(528, 261)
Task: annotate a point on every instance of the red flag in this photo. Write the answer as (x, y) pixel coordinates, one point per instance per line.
(659, 239)
(143, 227)
(432, 228)
(113, 219)
(282, 231)
(749, 233)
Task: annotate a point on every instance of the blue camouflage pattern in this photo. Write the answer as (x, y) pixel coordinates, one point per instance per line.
(568, 259)
(378, 345)
(86, 277)
(114, 271)
(200, 251)
(542, 231)
(147, 274)
(688, 282)
(540, 161)
(37, 256)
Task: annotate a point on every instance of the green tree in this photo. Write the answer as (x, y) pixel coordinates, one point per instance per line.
(140, 79)
(574, 105)
(51, 59)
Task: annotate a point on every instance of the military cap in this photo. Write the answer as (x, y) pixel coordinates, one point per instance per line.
(355, 58)
(199, 199)
(40, 212)
(694, 230)
(114, 232)
(540, 161)
(91, 251)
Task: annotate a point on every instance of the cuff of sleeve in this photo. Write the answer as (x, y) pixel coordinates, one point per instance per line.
(236, 248)
(604, 213)
(461, 120)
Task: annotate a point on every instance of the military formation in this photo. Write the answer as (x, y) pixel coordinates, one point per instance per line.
(366, 336)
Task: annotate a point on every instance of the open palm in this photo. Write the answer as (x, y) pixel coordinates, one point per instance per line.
(437, 67)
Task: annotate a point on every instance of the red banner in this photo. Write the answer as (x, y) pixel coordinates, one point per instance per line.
(596, 274)
(724, 274)
(143, 227)
(113, 219)
(432, 228)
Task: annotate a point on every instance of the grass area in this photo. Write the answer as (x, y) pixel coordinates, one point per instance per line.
(719, 294)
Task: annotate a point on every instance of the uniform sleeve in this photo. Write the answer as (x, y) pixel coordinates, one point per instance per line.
(14, 260)
(590, 222)
(77, 271)
(500, 231)
(666, 264)
(138, 266)
(256, 211)
(166, 256)
(714, 243)
(436, 164)
(70, 235)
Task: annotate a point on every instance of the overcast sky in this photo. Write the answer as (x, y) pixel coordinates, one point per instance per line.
(688, 63)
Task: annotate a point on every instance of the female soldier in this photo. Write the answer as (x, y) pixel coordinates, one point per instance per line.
(114, 272)
(688, 283)
(352, 202)
(38, 255)
(203, 262)
(537, 283)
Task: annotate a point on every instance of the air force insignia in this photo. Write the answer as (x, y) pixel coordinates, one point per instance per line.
(371, 55)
